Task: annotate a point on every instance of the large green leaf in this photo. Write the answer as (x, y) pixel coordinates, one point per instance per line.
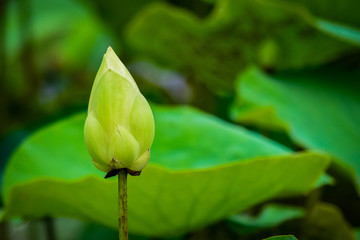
(271, 215)
(357, 233)
(55, 24)
(347, 33)
(202, 170)
(65, 38)
(326, 221)
(236, 33)
(339, 19)
(319, 108)
(282, 237)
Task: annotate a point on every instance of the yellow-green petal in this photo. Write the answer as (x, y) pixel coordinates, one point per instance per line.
(96, 140)
(126, 148)
(113, 100)
(141, 162)
(142, 124)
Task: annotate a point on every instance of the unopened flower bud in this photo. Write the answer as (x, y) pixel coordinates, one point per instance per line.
(119, 128)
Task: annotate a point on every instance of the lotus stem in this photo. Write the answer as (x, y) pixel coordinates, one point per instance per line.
(50, 228)
(123, 218)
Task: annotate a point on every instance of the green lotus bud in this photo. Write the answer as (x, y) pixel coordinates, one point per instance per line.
(119, 128)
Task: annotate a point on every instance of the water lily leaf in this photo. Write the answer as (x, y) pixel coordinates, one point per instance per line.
(201, 170)
(283, 237)
(326, 221)
(341, 31)
(271, 215)
(58, 23)
(235, 34)
(339, 19)
(357, 233)
(319, 111)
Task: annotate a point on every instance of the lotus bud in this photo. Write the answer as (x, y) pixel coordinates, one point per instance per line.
(119, 128)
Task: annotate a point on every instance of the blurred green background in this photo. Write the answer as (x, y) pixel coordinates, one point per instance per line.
(257, 111)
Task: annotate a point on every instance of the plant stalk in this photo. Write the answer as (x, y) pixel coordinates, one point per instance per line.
(4, 230)
(50, 228)
(123, 218)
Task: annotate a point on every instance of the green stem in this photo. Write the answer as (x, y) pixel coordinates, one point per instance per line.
(4, 230)
(49, 228)
(123, 218)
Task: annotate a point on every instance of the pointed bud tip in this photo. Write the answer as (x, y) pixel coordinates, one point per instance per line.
(111, 55)
(109, 50)
(114, 63)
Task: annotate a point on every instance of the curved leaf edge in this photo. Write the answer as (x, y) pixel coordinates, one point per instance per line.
(7, 196)
(343, 168)
(348, 34)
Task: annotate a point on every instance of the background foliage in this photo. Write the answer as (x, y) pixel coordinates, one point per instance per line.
(257, 112)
